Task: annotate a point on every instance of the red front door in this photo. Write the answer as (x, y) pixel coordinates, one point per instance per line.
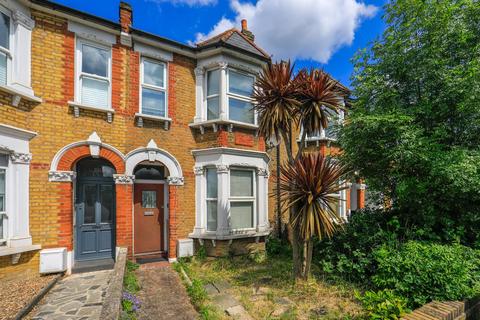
(148, 218)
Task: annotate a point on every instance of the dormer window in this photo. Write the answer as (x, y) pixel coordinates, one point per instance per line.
(5, 54)
(153, 88)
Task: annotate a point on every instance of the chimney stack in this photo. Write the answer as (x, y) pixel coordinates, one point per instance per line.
(246, 32)
(126, 16)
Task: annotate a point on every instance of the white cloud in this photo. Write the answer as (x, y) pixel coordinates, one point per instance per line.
(191, 3)
(298, 29)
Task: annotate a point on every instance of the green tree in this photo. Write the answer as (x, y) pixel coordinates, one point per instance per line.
(414, 130)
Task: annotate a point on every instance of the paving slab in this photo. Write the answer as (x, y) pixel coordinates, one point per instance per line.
(75, 297)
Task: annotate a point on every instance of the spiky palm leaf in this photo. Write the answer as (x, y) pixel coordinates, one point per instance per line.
(320, 96)
(310, 185)
(275, 100)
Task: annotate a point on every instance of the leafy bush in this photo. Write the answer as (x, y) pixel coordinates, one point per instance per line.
(384, 304)
(275, 246)
(196, 292)
(201, 253)
(349, 254)
(423, 272)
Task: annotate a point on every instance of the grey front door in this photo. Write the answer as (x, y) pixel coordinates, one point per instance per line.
(95, 215)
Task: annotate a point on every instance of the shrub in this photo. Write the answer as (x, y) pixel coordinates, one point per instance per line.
(130, 282)
(275, 246)
(423, 272)
(201, 253)
(384, 304)
(196, 292)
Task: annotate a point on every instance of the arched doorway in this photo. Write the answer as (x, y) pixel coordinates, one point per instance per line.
(94, 209)
(150, 204)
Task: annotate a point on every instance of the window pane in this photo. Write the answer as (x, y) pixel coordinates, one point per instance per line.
(94, 168)
(148, 172)
(90, 195)
(3, 160)
(211, 215)
(241, 215)
(240, 84)
(3, 69)
(240, 111)
(153, 102)
(153, 73)
(2, 190)
(95, 92)
(106, 200)
(213, 108)
(1, 227)
(149, 199)
(212, 183)
(94, 60)
(241, 183)
(213, 82)
(4, 31)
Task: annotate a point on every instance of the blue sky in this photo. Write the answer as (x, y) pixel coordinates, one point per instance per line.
(341, 26)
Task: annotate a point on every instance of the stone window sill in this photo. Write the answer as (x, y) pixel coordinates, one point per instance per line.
(141, 116)
(18, 95)
(16, 252)
(77, 106)
(215, 125)
(232, 236)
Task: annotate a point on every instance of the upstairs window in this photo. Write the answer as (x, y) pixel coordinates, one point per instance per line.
(153, 88)
(240, 90)
(213, 94)
(95, 74)
(5, 54)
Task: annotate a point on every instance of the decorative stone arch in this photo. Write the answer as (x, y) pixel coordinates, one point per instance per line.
(61, 168)
(152, 153)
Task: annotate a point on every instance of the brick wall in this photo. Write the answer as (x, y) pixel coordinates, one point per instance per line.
(449, 310)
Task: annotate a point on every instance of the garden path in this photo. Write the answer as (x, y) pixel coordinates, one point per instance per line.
(163, 295)
(77, 297)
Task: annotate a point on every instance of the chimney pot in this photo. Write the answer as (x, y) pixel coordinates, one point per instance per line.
(244, 24)
(126, 16)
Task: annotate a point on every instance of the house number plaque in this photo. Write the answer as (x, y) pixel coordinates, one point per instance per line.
(148, 213)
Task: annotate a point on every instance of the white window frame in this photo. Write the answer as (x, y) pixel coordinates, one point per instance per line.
(217, 95)
(79, 74)
(252, 199)
(153, 87)
(238, 96)
(3, 214)
(207, 199)
(8, 52)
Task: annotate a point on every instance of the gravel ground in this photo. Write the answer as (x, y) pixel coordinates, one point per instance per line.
(15, 293)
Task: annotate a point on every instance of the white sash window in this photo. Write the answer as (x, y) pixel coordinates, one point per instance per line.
(5, 54)
(213, 94)
(3, 197)
(212, 199)
(242, 199)
(240, 90)
(153, 98)
(94, 78)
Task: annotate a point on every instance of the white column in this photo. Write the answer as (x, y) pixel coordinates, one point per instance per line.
(223, 209)
(21, 75)
(262, 199)
(19, 222)
(199, 103)
(200, 207)
(223, 91)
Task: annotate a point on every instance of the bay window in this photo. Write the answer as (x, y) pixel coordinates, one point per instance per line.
(242, 199)
(3, 195)
(212, 199)
(213, 94)
(240, 90)
(94, 76)
(5, 54)
(153, 98)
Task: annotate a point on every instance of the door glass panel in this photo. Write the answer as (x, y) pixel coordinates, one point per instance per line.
(148, 172)
(90, 197)
(106, 201)
(149, 199)
(94, 168)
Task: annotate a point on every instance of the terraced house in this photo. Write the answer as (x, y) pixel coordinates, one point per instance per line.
(114, 137)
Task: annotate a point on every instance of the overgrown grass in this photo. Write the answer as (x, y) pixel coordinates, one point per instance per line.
(196, 291)
(272, 275)
(130, 302)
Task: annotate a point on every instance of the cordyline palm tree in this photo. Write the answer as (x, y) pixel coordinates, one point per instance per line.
(283, 102)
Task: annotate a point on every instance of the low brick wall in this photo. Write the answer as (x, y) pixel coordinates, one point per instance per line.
(112, 303)
(449, 310)
(236, 247)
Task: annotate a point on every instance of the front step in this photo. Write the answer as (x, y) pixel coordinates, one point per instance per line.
(93, 265)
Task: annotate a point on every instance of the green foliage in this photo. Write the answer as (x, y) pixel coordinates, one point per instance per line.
(201, 253)
(413, 130)
(196, 292)
(423, 272)
(383, 304)
(130, 282)
(349, 254)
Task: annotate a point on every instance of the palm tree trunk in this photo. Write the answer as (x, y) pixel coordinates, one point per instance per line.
(296, 248)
